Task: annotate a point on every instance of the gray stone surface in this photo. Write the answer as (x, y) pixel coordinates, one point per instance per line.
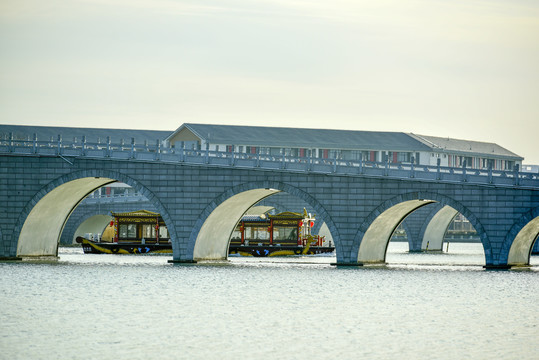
(186, 195)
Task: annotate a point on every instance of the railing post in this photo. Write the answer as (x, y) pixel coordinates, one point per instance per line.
(438, 161)
(258, 157)
(412, 173)
(490, 173)
(108, 147)
(386, 167)
(132, 148)
(182, 144)
(310, 166)
(335, 163)
(283, 166)
(207, 153)
(361, 164)
(464, 171)
(10, 144)
(517, 182)
(34, 145)
(83, 145)
(157, 149)
(59, 145)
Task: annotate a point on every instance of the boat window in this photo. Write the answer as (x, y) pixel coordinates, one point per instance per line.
(148, 231)
(285, 233)
(123, 231)
(236, 235)
(256, 233)
(128, 231)
(163, 232)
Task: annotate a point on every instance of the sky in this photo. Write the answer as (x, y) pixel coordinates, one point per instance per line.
(466, 69)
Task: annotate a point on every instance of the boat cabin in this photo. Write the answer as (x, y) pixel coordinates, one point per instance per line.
(284, 229)
(142, 226)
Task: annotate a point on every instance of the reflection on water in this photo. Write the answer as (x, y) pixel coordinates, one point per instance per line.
(138, 307)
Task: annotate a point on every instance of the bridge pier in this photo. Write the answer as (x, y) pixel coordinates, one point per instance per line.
(434, 231)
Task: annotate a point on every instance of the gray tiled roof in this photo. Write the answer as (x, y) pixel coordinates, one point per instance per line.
(305, 138)
(273, 137)
(23, 132)
(466, 147)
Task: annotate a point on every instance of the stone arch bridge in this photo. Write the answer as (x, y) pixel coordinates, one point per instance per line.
(201, 195)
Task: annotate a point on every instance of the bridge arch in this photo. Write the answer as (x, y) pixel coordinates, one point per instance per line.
(372, 238)
(40, 224)
(85, 211)
(520, 239)
(224, 212)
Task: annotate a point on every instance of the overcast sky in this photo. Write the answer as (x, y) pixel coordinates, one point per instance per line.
(464, 69)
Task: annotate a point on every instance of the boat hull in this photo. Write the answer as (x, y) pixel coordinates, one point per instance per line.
(268, 251)
(93, 247)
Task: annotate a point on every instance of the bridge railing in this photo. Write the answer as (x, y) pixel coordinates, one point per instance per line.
(158, 152)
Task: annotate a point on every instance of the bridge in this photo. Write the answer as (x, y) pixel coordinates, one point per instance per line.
(201, 195)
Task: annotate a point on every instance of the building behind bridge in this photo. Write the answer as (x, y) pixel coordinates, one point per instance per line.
(374, 146)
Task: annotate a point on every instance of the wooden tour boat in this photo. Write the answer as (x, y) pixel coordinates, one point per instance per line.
(137, 232)
(142, 232)
(287, 233)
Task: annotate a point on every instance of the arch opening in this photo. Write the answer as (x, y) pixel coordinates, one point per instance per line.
(213, 238)
(374, 243)
(40, 233)
(522, 246)
(217, 226)
(115, 197)
(397, 207)
(40, 225)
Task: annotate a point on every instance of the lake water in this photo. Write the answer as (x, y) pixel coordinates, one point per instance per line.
(419, 306)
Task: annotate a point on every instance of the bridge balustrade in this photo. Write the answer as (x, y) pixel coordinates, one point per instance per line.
(156, 152)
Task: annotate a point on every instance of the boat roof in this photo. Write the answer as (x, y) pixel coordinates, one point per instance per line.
(137, 213)
(287, 215)
(254, 218)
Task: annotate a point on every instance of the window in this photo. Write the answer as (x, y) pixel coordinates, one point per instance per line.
(148, 231)
(404, 157)
(323, 153)
(256, 233)
(285, 233)
(163, 232)
(236, 235)
(127, 231)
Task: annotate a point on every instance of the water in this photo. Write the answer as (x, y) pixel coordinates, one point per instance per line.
(421, 306)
